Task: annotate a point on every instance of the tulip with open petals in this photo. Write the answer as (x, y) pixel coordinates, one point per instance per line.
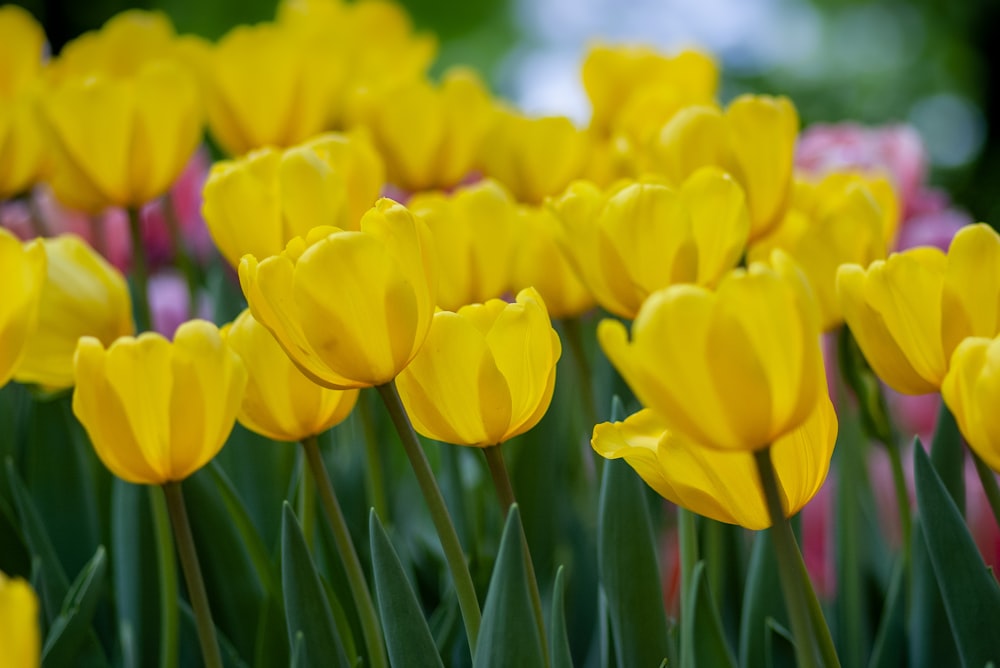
(157, 411)
(485, 373)
(22, 274)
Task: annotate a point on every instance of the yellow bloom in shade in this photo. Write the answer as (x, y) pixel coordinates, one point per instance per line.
(971, 390)
(641, 237)
(909, 312)
(157, 411)
(473, 231)
(350, 308)
(836, 221)
(723, 485)
(22, 144)
(20, 637)
(265, 85)
(753, 140)
(430, 136)
(22, 274)
(281, 403)
(534, 157)
(485, 373)
(734, 369)
(121, 142)
(83, 295)
(540, 261)
(260, 202)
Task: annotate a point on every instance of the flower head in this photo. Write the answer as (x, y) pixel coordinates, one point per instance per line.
(22, 274)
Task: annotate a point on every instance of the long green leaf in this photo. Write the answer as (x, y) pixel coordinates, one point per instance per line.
(970, 592)
(628, 569)
(559, 651)
(307, 610)
(509, 633)
(779, 646)
(708, 644)
(948, 456)
(407, 636)
(762, 601)
(890, 642)
(70, 629)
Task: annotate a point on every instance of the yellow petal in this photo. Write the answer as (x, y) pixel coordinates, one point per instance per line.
(971, 391)
(970, 302)
(20, 636)
(22, 273)
(720, 222)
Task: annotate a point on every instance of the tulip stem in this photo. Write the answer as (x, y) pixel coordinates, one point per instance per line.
(505, 494)
(584, 381)
(792, 584)
(169, 620)
(307, 503)
(182, 257)
(989, 483)
(902, 496)
(374, 480)
(140, 272)
(464, 588)
(352, 565)
(192, 575)
(687, 539)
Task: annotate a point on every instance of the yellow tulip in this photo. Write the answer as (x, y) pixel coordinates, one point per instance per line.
(22, 145)
(20, 637)
(281, 403)
(485, 374)
(722, 485)
(636, 239)
(971, 390)
(121, 142)
(910, 311)
(540, 261)
(754, 140)
(157, 411)
(265, 85)
(634, 90)
(82, 295)
(473, 231)
(22, 274)
(828, 224)
(734, 369)
(260, 202)
(351, 309)
(430, 136)
(534, 157)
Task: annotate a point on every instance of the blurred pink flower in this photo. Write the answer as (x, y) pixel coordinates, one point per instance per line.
(170, 303)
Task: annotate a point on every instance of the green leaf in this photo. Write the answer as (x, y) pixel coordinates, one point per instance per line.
(930, 640)
(779, 647)
(970, 592)
(708, 644)
(890, 641)
(629, 570)
(307, 610)
(68, 632)
(762, 601)
(948, 456)
(407, 636)
(559, 651)
(509, 632)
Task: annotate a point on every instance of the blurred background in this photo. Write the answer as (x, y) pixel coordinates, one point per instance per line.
(925, 62)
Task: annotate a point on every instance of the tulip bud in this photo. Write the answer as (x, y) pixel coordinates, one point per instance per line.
(22, 274)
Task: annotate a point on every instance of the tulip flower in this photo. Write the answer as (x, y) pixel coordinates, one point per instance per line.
(734, 369)
(722, 485)
(260, 202)
(540, 261)
(350, 308)
(971, 391)
(82, 295)
(485, 374)
(430, 136)
(474, 234)
(642, 237)
(753, 140)
(534, 157)
(22, 274)
(20, 637)
(911, 311)
(121, 142)
(22, 145)
(836, 221)
(281, 403)
(157, 411)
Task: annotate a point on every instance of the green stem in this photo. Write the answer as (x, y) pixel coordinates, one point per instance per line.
(374, 478)
(306, 502)
(140, 272)
(505, 494)
(192, 575)
(341, 535)
(902, 496)
(464, 588)
(687, 539)
(182, 258)
(584, 381)
(169, 619)
(787, 551)
(989, 483)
